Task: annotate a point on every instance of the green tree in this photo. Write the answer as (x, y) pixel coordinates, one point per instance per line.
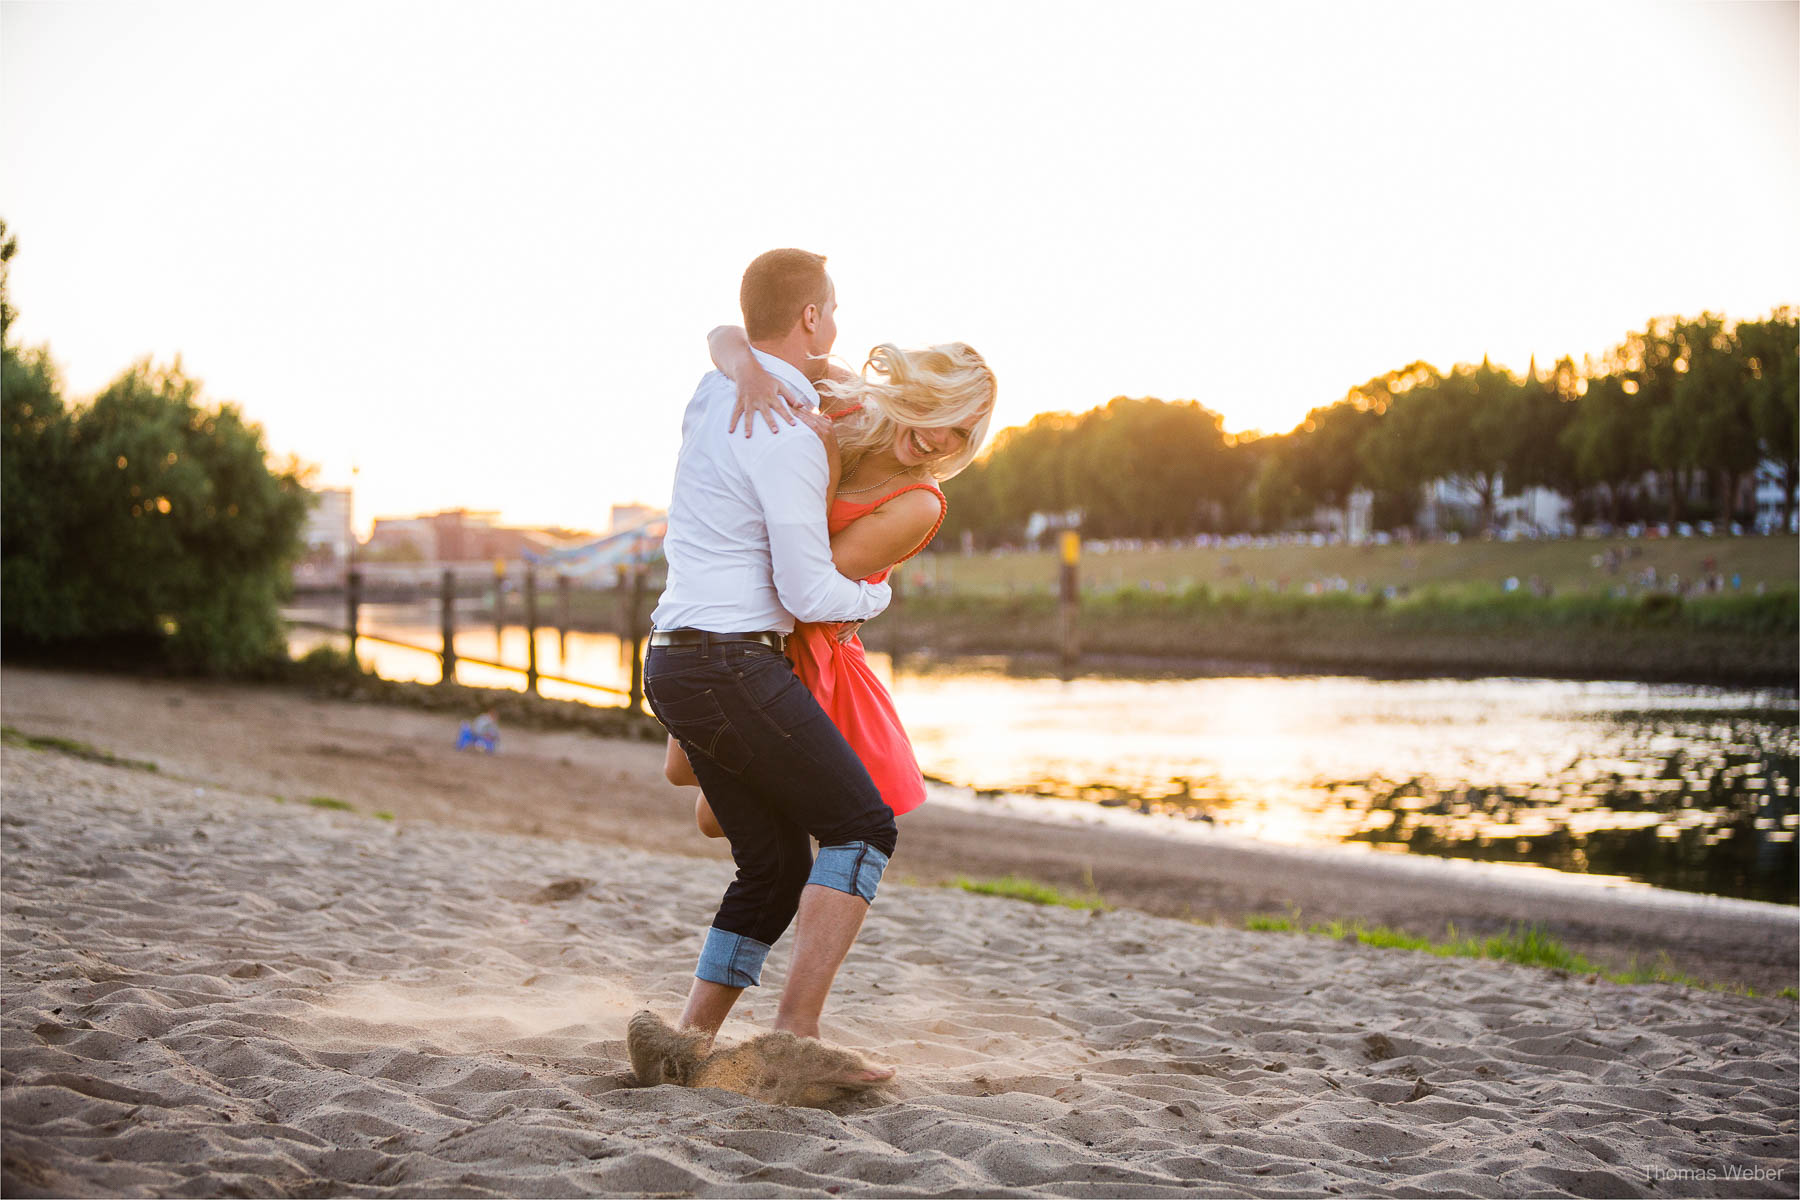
(1028, 471)
(1392, 457)
(1540, 411)
(144, 514)
(35, 497)
(9, 246)
(970, 500)
(1713, 394)
(1325, 460)
(1607, 440)
(175, 525)
(35, 428)
(1470, 432)
(1145, 467)
(1647, 361)
(1275, 499)
(1770, 350)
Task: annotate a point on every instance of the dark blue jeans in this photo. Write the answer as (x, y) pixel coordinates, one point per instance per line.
(778, 774)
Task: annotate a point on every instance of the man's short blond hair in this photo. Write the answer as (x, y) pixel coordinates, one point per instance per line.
(777, 288)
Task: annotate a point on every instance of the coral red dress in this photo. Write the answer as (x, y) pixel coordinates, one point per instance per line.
(838, 676)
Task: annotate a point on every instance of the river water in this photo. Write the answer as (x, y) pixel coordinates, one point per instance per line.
(1682, 787)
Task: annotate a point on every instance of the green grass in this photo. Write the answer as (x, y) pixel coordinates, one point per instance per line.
(74, 749)
(1462, 608)
(1788, 993)
(383, 815)
(1015, 887)
(1528, 946)
(1564, 565)
(331, 802)
(1270, 924)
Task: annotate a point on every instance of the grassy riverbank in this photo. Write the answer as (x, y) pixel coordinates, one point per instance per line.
(1583, 565)
(1728, 639)
(1588, 609)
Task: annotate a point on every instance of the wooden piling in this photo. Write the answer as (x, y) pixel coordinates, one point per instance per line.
(531, 624)
(352, 605)
(635, 634)
(447, 625)
(499, 606)
(563, 586)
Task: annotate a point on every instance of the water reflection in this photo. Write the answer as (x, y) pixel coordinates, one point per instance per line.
(1681, 787)
(1679, 799)
(1689, 788)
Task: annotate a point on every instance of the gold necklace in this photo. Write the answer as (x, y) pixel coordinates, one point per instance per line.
(871, 487)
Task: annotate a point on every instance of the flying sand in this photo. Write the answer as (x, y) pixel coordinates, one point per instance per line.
(777, 1068)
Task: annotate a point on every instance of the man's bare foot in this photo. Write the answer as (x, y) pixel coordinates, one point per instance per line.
(660, 1053)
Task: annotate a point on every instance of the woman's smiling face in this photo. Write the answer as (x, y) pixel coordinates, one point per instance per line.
(914, 447)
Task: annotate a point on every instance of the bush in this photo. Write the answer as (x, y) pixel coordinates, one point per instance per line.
(144, 515)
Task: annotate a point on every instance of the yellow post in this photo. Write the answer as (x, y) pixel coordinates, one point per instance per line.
(1068, 610)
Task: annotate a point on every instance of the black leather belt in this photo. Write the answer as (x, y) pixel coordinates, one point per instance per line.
(696, 637)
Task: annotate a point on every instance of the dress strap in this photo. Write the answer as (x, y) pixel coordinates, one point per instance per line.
(943, 511)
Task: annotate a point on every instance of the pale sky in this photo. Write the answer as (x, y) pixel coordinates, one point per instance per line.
(474, 249)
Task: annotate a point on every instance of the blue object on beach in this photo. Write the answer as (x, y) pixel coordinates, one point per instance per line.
(483, 732)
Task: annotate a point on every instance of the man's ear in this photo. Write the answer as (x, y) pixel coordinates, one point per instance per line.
(809, 317)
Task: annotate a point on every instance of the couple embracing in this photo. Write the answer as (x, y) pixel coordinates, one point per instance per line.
(779, 543)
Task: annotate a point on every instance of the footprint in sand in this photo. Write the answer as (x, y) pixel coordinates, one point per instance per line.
(777, 1068)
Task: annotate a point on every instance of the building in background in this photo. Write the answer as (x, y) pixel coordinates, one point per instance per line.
(460, 535)
(326, 535)
(630, 516)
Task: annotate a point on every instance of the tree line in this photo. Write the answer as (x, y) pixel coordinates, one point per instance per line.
(147, 523)
(1670, 424)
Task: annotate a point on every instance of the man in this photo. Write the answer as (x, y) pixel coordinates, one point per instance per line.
(748, 555)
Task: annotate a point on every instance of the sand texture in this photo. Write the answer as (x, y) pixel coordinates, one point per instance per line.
(210, 993)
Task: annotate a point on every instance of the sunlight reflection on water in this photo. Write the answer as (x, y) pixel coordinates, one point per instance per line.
(1685, 787)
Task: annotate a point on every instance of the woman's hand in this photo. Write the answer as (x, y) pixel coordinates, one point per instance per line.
(826, 428)
(761, 394)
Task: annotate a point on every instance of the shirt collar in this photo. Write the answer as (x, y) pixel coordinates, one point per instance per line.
(787, 372)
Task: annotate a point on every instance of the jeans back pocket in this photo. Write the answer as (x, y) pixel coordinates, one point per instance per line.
(699, 723)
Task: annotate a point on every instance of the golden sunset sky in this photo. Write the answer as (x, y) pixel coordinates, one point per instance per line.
(474, 250)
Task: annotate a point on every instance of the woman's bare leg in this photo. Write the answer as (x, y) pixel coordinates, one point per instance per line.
(678, 771)
(675, 767)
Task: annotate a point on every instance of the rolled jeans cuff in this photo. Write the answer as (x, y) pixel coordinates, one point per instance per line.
(854, 867)
(731, 959)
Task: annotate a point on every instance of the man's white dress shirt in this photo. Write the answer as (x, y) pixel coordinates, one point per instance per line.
(746, 543)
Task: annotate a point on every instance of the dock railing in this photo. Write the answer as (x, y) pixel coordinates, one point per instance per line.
(635, 625)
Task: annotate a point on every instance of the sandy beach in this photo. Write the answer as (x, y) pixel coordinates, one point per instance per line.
(209, 991)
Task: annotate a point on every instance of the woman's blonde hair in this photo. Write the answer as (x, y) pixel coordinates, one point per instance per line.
(940, 387)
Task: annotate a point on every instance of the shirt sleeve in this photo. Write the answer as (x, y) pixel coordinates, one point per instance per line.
(789, 475)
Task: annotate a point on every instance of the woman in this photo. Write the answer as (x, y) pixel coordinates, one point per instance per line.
(897, 437)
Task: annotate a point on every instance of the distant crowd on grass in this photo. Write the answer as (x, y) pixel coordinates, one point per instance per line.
(1667, 432)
